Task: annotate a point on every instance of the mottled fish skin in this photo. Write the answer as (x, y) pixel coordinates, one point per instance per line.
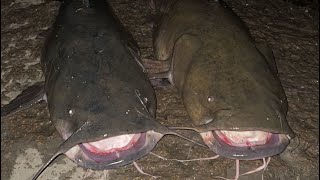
(226, 80)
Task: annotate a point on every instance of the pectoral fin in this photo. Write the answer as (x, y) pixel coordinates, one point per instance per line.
(28, 97)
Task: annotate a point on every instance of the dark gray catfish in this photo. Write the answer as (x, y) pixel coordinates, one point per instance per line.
(228, 83)
(99, 97)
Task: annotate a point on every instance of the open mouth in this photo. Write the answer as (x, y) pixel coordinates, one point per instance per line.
(244, 138)
(245, 145)
(112, 148)
(114, 151)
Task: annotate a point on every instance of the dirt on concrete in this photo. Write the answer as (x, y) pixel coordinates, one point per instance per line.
(28, 138)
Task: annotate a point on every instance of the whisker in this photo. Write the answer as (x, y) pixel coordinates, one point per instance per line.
(142, 172)
(268, 160)
(185, 160)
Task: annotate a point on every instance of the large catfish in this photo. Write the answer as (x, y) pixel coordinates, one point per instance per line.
(229, 84)
(99, 97)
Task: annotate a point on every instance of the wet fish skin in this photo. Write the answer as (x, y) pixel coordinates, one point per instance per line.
(95, 85)
(227, 81)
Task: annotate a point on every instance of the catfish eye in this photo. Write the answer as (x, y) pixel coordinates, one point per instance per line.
(210, 99)
(145, 100)
(71, 112)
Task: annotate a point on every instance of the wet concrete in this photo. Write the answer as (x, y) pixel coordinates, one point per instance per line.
(28, 138)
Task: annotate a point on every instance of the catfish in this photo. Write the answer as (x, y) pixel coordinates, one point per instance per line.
(229, 84)
(98, 93)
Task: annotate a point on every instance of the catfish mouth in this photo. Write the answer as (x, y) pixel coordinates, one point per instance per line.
(113, 152)
(245, 145)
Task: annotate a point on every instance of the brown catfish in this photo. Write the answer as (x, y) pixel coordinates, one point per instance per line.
(229, 84)
(99, 97)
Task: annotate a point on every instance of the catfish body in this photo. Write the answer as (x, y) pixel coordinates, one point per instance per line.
(99, 97)
(229, 84)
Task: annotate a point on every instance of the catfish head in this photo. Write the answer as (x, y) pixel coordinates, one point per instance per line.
(239, 110)
(105, 127)
(106, 122)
